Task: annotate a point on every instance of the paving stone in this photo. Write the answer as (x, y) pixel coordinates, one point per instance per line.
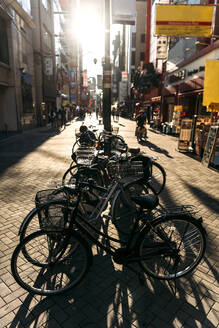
(108, 296)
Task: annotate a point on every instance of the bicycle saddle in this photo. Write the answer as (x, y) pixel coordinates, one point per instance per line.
(147, 201)
(134, 151)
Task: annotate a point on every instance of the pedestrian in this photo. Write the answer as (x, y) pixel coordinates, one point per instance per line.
(97, 112)
(59, 118)
(113, 113)
(53, 119)
(63, 117)
(117, 114)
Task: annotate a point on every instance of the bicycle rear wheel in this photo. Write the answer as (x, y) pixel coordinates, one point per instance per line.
(122, 212)
(172, 247)
(69, 175)
(157, 180)
(57, 264)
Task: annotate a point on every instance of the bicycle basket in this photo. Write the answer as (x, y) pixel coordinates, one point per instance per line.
(125, 169)
(85, 155)
(44, 196)
(54, 217)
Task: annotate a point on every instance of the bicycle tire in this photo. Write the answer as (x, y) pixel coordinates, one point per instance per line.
(180, 238)
(157, 181)
(69, 175)
(84, 173)
(50, 277)
(123, 215)
(32, 222)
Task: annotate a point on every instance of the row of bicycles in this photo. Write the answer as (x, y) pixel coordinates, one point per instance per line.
(111, 201)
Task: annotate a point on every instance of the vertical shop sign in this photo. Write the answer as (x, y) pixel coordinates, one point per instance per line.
(85, 78)
(185, 135)
(72, 78)
(100, 81)
(211, 81)
(48, 66)
(210, 144)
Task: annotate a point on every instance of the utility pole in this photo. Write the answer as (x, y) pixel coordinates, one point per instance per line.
(107, 72)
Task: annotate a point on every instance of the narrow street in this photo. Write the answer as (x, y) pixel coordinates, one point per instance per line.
(107, 297)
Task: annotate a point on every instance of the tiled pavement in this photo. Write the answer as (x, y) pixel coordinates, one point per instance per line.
(109, 296)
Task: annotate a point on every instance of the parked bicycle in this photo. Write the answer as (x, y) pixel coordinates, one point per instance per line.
(167, 244)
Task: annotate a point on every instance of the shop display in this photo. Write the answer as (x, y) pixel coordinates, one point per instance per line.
(203, 124)
(211, 146)
(176, 121)
(185, 134)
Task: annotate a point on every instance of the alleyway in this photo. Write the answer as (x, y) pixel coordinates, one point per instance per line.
(107, 297)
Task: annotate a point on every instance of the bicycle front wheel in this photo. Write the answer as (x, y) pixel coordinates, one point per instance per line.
(58, 262)
(172, 247)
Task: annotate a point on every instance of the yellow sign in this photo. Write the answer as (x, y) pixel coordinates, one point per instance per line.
(184, 20)
(178, 108)
(211, 82)
(213, 107)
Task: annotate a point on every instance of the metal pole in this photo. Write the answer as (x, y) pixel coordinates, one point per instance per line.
(107, 72)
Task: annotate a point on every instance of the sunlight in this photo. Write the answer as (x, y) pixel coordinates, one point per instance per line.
(90, 31)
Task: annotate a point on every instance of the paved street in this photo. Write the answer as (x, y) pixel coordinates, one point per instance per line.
(109, 296)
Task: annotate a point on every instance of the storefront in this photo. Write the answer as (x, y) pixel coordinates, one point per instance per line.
(182, 95)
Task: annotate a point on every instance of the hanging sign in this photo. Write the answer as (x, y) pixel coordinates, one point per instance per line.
(124, 12)
(211, 82)
(178, 108)
(184, 20)
(209, 147)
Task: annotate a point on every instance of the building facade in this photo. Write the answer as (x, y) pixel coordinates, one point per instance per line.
(17, 78)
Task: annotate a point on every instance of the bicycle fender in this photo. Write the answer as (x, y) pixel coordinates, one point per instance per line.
(26, 219)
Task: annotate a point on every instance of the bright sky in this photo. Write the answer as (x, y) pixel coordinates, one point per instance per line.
(90, 28)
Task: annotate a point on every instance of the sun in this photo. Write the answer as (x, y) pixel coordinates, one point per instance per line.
(90, 32)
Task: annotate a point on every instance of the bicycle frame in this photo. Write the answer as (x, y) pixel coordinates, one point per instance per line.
(86, 225)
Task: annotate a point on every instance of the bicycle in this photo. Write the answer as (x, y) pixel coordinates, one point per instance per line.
(166, 244)
(154, 173)
(133, 183)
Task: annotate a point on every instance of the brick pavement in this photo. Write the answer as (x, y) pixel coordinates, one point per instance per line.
(109, 296)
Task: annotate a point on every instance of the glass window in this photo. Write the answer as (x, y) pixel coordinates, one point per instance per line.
(142, 56)
(25, 4)
(47, 38)
(133, 40)
(143, 37)
(133, 58)
(4, 55)
(45, 4)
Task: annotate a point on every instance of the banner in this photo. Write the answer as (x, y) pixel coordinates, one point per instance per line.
(184, 20)
(85, 78)
(124, 12)
(73, 86)
(211, 82)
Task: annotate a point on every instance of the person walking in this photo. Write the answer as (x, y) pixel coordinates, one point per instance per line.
(117, 114)
(113, 113)
(59, 118)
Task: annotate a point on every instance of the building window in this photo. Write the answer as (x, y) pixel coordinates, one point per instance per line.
(143, 37)
(47, 38)
(142, 56)
(47, 4)
(4, 55)
(133, 58)
(133, 40)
